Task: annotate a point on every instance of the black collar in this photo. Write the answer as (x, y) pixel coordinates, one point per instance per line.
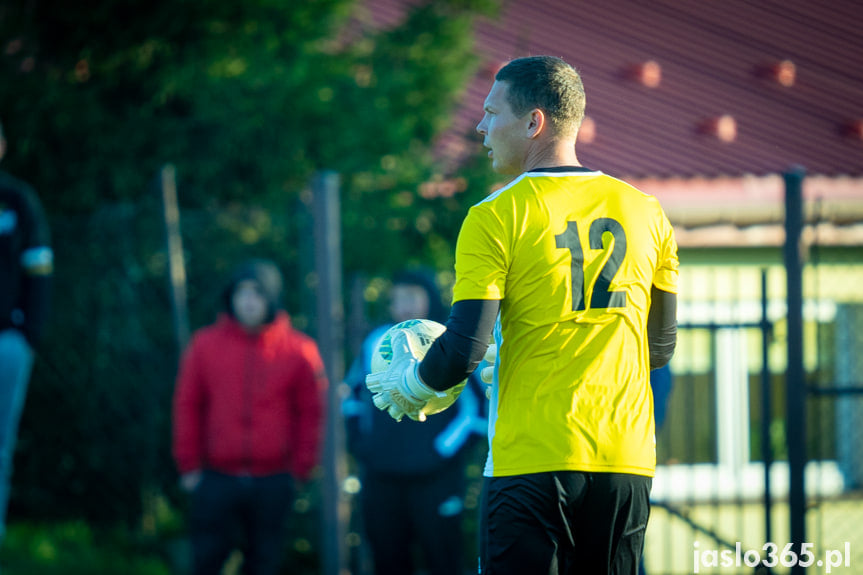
(561, 169)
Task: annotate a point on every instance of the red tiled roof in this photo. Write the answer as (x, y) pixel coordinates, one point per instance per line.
(715, 60)
(780, 80)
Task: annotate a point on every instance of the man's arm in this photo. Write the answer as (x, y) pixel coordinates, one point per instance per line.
(458, 351)
(188, 413)
(409, 385)
(661, 327)
(308, 408)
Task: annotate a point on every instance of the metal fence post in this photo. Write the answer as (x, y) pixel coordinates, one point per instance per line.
(330, 320)
(795, 377)
(176, 262)
(766, 408)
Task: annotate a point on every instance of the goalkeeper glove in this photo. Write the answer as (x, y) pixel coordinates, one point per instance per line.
(399, 390)
(487, 373)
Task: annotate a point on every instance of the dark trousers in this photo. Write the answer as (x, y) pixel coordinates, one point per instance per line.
(564, 523)
(402, 511)
(249, 513)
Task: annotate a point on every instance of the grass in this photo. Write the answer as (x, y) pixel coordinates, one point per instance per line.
(74, 548)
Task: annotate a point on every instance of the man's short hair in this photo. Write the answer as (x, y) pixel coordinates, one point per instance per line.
(547, 83)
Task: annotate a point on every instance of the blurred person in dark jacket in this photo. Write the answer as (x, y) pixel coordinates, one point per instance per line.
(26, 268)
(412, 473)
(248, 410)
(660, 385)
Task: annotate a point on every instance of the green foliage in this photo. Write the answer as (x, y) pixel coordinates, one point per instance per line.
(75, 549)
(247, 99)
(118, 88)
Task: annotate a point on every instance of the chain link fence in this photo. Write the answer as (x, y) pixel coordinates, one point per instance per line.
(834, 334)
(724, 437)
(94, 440)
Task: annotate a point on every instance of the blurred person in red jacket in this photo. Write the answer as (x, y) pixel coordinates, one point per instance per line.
(248, 409)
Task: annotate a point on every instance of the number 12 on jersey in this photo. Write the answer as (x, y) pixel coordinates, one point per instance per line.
(601, 297)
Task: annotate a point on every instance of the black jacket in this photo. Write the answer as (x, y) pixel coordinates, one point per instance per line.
(26, 259)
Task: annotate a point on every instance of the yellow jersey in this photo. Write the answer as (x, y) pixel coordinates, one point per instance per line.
(571, 254)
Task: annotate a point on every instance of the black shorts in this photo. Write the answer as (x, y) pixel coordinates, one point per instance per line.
(563, 523)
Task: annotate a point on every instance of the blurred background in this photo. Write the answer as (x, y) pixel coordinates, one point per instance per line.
(257, 119)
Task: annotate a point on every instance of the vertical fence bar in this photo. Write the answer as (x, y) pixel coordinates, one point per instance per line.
(766, 408)
(176, 263)
(330, 322)
(795, 377)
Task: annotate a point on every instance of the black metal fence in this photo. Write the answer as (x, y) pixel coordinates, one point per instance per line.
(94, 440)
(722, 420)
(761, 456)
(833, 302)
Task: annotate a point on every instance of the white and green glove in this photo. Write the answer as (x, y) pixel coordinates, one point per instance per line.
(486, 374)
(399, 390)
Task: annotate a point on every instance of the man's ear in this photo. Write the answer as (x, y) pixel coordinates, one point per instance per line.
(535, 123)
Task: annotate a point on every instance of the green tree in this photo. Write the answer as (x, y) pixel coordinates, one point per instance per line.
(247, 98)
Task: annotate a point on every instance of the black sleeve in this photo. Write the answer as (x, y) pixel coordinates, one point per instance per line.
(661, 327)
(456, 354)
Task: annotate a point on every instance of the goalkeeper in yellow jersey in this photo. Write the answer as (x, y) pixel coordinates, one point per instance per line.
(580, 271)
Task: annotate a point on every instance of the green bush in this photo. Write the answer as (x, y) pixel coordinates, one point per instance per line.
(73, 548)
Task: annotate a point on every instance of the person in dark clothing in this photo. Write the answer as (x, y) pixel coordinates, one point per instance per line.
(660, 386)
(248, 410)
(413, 473)
(26, 269)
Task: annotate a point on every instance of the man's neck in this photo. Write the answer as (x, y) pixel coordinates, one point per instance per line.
(551, 154)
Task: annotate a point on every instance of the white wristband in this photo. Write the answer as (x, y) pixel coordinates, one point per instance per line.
(417, 388)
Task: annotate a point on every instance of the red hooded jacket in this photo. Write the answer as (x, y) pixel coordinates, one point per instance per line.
(249, 403)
